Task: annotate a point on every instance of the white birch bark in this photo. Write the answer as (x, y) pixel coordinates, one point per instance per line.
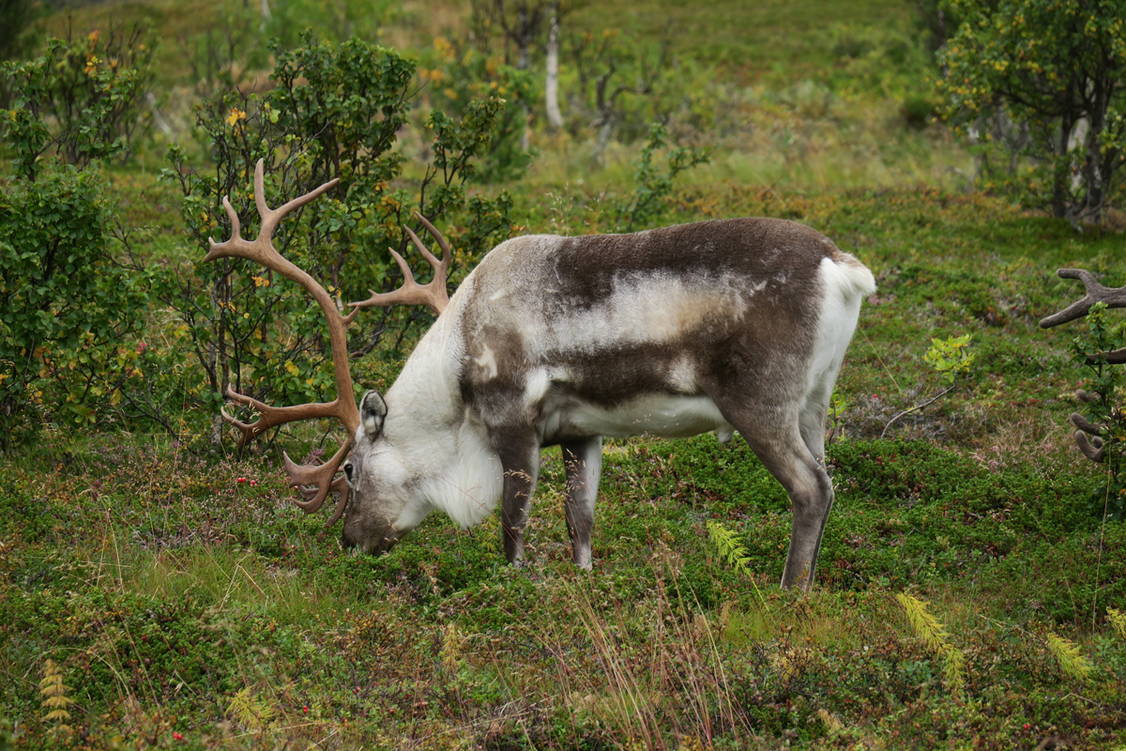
(551, 84)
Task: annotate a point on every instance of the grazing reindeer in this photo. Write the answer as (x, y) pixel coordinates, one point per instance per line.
(726, 325)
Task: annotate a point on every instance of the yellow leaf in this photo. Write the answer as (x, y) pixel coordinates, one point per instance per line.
(235, 115)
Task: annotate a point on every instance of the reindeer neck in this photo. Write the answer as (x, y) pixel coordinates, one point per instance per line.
(428, 424)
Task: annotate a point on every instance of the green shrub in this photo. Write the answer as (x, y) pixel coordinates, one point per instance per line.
(918, 111)
(336, 112)
(80, 99)
(654, 180)
(1050, 73)
(458, 78)
(67, 308)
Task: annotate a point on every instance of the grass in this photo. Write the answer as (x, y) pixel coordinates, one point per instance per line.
(189, 593)
(180, 608)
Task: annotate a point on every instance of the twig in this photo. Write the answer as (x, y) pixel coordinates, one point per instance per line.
(916, 408)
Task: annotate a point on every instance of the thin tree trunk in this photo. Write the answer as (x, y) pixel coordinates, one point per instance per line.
(605, 130)
(523, 57)
(1095, 179)
(1062, 169)
(551, 83)
(158, 118)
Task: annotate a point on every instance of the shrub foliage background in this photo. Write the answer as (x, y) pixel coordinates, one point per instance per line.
(69, 311)
(336, 111)
(1053, 73)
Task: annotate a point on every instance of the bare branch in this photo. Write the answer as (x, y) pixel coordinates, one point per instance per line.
(1091, 446)
(1114, 297)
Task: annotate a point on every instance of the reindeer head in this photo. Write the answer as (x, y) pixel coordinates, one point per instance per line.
(374, 493)
(383, 490)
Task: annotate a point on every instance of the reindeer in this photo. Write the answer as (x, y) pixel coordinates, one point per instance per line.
(724, 325)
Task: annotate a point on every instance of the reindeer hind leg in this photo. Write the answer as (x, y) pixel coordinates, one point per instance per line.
(582, 463)
(781, 442)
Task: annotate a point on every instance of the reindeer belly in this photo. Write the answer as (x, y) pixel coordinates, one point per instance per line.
(669, 415)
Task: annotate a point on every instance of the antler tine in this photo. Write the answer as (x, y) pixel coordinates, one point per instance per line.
(314, 499)
(261, 249)
(432, 294)
(316, 481)
(1114, 297)
(425, 251)
(1091, 446)
(271, 217)
(236, 226)
(264, 210)
(342, 489)
(1116, 356)
(270, 416)
(447, 252)
(235, 245)
(1086, 425)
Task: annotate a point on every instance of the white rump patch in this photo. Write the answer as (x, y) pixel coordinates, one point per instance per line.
(845, 283)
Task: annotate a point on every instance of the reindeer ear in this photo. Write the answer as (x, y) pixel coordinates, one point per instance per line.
(372, 411)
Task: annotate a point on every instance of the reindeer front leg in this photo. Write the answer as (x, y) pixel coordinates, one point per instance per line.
(520, 458)
(582, 463)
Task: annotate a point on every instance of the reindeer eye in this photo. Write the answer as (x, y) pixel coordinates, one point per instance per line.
(348, 472)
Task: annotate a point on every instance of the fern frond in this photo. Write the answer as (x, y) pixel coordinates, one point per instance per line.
(1071, 660)
(929, 630)
(727, 544)
(452, 645)
(250, 711)
(954, 669)
(56, 716)
(54, 700)
(1117, 621)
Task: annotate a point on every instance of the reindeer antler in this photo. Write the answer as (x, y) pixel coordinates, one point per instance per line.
(314, 481)
(1091, 438)
(1114, 297)
(432, 294)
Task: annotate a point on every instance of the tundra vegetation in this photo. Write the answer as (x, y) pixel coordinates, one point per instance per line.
(159, 589)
